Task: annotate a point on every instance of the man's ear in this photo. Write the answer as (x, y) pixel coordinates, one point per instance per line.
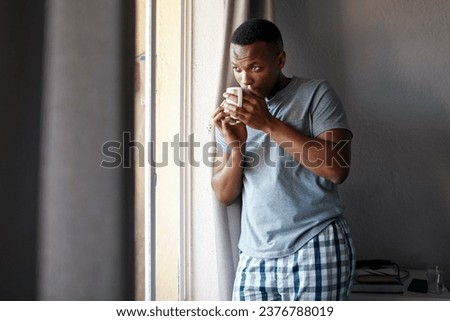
(281, 59)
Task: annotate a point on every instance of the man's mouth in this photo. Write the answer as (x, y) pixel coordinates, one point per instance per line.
(254, 90)
(249, 87)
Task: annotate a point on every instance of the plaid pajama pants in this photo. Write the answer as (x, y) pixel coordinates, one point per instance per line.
(321, 270)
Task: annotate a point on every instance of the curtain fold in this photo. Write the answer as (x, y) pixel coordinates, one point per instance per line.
(86, 230)
(66, 223)
(227, 219)
(21, 39)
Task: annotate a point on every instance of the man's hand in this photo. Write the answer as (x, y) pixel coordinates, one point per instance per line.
(253, 113)
(235, 135)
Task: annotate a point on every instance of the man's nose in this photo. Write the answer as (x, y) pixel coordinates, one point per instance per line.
(246, 79)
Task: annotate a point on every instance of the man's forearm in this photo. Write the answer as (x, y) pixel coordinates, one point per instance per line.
(227, 177)
(324, 156)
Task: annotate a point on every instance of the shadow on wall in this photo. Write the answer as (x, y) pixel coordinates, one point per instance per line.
(384, 64)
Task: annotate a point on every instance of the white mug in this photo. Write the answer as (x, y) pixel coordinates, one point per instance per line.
(238, 92)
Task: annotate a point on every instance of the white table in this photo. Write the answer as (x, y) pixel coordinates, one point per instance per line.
(407, 295)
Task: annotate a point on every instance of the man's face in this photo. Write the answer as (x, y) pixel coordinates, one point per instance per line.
(257, 66)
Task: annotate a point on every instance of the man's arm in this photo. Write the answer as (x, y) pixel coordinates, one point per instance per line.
(226, 180)
(328, 155)
(227, 176)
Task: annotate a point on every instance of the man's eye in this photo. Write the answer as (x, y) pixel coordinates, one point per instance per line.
(256, 68)
(236, 69)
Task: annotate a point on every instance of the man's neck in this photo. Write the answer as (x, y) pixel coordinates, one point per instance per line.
(281, 83)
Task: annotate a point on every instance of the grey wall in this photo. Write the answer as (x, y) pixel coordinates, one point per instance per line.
(390, 63)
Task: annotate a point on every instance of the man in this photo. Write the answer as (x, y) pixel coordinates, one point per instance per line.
(286, 155)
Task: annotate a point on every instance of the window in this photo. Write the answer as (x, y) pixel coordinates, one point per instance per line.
(162, 105)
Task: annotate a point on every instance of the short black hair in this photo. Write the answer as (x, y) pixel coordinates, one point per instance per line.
(255, 30)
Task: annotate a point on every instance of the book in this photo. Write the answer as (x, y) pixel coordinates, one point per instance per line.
(377, 276)
(358, 287)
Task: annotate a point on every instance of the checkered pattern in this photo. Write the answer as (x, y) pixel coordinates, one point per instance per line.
(320, 270)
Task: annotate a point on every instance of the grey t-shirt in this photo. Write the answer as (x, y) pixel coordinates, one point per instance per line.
(284, 205)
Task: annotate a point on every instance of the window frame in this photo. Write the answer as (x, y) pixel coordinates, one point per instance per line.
(151, 132)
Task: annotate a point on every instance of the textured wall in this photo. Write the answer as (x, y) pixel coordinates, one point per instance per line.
(389, 62)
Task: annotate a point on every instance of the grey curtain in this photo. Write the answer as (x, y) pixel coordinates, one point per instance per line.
(227, 219)
(66, 224)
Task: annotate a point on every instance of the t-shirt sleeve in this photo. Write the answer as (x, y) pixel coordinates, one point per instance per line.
(327, 112)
